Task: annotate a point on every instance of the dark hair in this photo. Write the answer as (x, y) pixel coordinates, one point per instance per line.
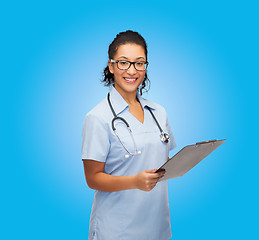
(121, 39)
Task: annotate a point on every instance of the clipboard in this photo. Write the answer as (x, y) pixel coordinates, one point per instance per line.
(187, 158)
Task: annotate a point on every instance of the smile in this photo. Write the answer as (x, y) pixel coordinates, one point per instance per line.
(131, 80)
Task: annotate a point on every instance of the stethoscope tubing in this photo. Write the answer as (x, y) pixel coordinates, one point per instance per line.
(164, 137)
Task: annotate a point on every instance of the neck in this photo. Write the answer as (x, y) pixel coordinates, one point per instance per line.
(129, 97)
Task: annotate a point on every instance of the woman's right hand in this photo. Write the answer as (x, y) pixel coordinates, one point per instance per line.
(147, 180)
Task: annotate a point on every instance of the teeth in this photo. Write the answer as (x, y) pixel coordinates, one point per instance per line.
(130, 79)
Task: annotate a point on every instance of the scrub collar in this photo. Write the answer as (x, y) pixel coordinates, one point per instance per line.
(119, 104)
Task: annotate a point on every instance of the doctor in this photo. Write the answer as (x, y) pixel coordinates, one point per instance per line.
(125, 139)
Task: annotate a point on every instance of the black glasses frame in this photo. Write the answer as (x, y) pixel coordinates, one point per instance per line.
(117, 61)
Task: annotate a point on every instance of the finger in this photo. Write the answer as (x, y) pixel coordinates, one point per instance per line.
(156, 175)
(151, 186)
(160, 177)
(162, 174)
(155, 180)
(151, 171)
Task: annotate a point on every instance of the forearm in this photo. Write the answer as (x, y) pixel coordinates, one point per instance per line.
(110, 183)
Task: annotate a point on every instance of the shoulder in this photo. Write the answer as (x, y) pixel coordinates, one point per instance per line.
(100, 113)
(156, 107)
(158, 111)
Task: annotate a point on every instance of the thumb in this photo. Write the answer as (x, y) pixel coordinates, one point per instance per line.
(151, 171)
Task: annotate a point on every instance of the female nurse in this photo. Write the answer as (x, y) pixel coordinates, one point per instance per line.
(125, 139)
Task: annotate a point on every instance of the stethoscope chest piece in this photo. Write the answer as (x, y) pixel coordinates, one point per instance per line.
(164, 137)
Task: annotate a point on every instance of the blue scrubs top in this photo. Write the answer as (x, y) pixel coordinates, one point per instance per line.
(129, 214)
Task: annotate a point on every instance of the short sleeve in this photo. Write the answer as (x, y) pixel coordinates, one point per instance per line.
(95, 140)
(172, 143)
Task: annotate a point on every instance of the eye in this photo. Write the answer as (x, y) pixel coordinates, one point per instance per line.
(123, 62)
(140, 64)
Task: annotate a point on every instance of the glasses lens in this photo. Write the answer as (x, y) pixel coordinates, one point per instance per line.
(141, 66)
(123, 65)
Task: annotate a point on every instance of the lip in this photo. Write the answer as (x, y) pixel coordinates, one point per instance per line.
(130, 78)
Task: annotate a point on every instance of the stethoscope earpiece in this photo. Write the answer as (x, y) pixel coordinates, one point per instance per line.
(138, 152)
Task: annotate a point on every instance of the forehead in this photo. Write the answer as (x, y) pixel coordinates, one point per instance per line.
(130, 51)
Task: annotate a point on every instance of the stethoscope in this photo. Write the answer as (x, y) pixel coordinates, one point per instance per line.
(164, 137)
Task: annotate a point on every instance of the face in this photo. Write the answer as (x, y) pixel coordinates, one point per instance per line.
(127, 81)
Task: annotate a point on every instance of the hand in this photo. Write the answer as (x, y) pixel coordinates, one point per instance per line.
(147, 180)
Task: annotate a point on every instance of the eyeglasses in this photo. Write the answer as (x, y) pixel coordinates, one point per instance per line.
(125, 65)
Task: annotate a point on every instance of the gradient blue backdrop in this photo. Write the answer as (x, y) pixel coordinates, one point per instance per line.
(204, 70)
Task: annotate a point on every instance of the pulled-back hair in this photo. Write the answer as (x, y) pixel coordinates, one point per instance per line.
(121, 39)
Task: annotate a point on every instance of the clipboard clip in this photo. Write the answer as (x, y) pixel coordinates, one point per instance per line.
(210, 141)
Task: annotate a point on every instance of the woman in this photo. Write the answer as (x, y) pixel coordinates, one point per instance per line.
(129, 202)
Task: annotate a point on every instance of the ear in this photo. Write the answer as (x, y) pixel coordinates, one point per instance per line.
(111, 65)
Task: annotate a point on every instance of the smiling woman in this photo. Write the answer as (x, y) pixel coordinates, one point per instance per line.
(123, 143)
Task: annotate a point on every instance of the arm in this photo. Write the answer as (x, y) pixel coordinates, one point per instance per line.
(98, 180)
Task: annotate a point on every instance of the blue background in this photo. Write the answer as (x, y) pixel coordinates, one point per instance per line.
(204, 70)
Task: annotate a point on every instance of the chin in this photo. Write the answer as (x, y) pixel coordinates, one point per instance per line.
(131, 88)
(128, 87)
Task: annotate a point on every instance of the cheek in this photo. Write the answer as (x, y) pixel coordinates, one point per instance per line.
(142, 75)
(117, 73)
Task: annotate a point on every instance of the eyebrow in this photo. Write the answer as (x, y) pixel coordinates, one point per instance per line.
(127, 58)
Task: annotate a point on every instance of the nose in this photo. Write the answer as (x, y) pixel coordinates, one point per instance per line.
(131, 70)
